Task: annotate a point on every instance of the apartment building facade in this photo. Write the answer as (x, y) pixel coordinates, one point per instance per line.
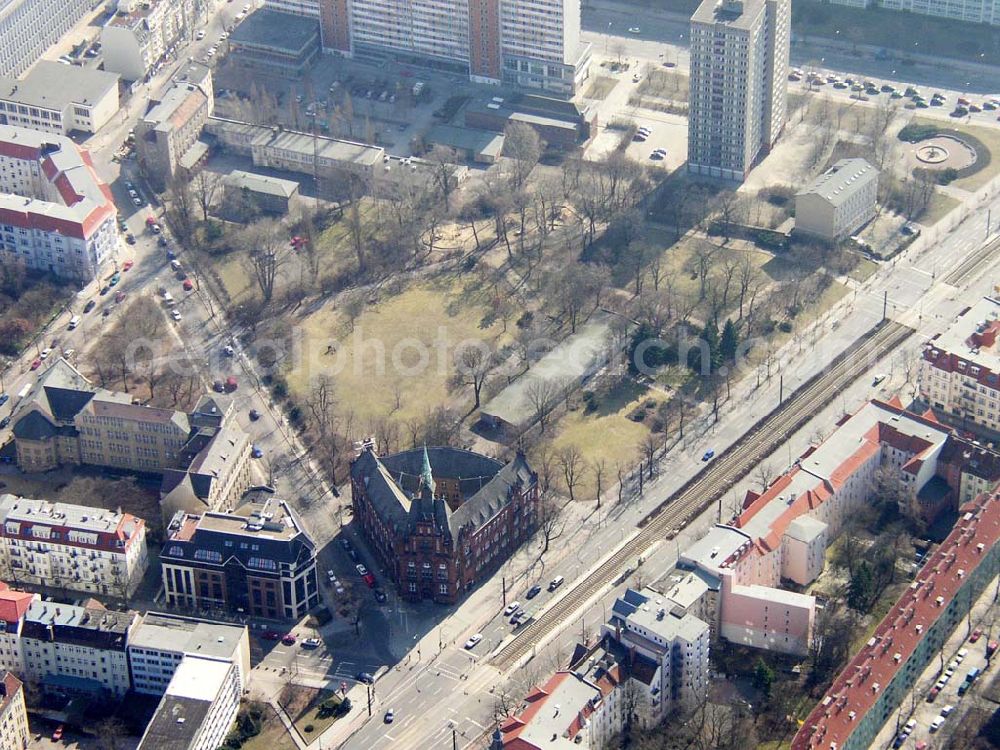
(13, 606)
(838, 202)
(257, 559)
(167, 135)
(160, 642)
(198, 707)
(739, 70)
(533, 44)
(14, 730)
(308, 8)
(142, 32)
(442, 519)
(77, 649)
(887, 667)
(56, 98)
(71, 546)
(29, 27)
(66, 420)
(959, 374)
(56, 214)
(970, 11)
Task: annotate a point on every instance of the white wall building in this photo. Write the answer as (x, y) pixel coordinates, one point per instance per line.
(198, 708)
(29, 27)
(56, 214)
(142, 32)
(160, 642)
(739, 71)
(309, 8)
(77, 648)
(58, 98)
(71, 546)
(960, 368)
(838, 202)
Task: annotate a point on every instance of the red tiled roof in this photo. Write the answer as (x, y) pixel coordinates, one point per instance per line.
(855, 690)
(949, 362)
(107, 541)
(13, 604)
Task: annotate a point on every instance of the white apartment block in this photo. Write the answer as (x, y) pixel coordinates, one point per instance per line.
(142, 32)
(739, 69)
(960, 369)
(838, 202)
(56, 214)
(29, 27)
(198, 708)
(71, 546)
(77, 648)
(160, 642)
(13, 606)
(665, 653)
(58, 98)
(972, 11)
(533, 44)
(309, 8)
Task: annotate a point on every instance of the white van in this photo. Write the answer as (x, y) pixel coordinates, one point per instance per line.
(556, 583)
(74, 322)
(936, 724)
(169, 299)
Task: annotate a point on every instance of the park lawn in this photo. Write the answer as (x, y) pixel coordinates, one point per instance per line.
(606, 433)
(990, 137)
(309, 716)
(865, 268)
(941, 204)
(273, 735)
(381, 354)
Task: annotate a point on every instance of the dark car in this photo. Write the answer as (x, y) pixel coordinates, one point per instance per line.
(105, 290)
(272, 635)
(380, 595)
(89, 306)
(708, 455)
(171, 255)
(256, 452)
(958, 112)
(289, 639)
(365, 678)
(130, 238)
(4, 422)
(254, 415)
(345, 542)
(162, 241)
(4, 398)
(533, 592)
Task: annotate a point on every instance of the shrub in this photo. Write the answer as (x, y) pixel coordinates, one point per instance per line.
(785, 326)
(308, 728)
(914, 132)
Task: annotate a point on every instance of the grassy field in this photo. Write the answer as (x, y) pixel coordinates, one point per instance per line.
(940, 206)
(990, 137)
(606, 433)
(309, 716)
(383, 352)
(863, 270)
(600, 87)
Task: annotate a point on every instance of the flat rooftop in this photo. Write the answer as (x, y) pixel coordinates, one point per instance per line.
(734, 14)
(80, 517)
(964, 338)
(261, 183)
(52, 85)
(274, 30)
(187, 635)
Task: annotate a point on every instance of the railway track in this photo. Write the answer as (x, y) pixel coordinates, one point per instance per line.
(707, 486)
(972, 264)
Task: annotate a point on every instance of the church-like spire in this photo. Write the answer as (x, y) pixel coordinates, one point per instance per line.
(426, 476)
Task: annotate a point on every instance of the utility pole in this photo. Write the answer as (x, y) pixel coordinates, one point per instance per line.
(989, 217)
(503, 583)
(781, 389)
(454, 739)
(885, 303)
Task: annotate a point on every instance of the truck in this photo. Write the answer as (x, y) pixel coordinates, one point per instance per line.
(418, 88)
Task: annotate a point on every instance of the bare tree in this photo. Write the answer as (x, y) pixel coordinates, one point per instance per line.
(550, 522)
(571, 462)
(764, 473)
(542, 395)
(474, 365)
(524, 148)
(267, 253)
(205, 185)
(599, 467)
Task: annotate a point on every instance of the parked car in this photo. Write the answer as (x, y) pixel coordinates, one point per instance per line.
(120, 296)
(533, 592)
(127, 265)
(36, 364)
(380, 595)
(91, 304)
(512, 608)
(473, 641)
(311, 643)
(976, 635)
(389, 716)
(130, 238)
(188, 285)
(288, 639)
(256, 452)
(254, 415)
(708, 455)
(4, 398)
(362, 570)
(58, 734)
(176, 315)
(365, 678)
(556, 583)
(115, 278)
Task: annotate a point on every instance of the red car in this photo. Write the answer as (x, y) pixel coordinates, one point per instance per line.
(120, 297)
(369, 579)
(271, 635)
(128, 264)
(36, 364)
(289, 639)
(58, 734)
(976, 635)
(188, 286)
